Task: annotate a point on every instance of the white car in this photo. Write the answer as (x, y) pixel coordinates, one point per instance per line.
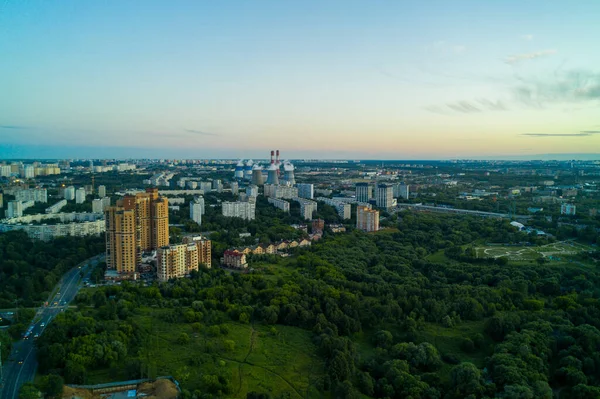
(43, 325)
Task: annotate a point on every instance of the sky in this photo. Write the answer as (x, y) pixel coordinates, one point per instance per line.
(373, 79)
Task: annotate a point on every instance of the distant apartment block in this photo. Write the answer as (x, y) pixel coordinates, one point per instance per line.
(56, 207)
(307, 207)
(80, 195)
(244, 210)
(15, 209)
(306, 190)
(102, 191)
(280, 191)
(252, 191)
(363, 192)
(70, 224)
(99, 205)
(385, 196)
(197, 209)
(280, 204)
(367, 219)
(176, 261)
(235, 188)
(343, 209)
(70, 193)
(32, 194)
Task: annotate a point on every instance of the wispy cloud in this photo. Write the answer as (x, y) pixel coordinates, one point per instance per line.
(466, 107)
(574, 86)
(200, 132)
(527, 37)
(517, 58)
(492, 105)
(13, 127)
(463, 106)
(583, 133)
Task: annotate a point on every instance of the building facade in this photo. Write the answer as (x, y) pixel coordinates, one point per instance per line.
(385, 196)
(196, 210)
(80, 195)
(235, 259)
(367, 219)
(70, 224)
(307, 208)
(136, 224)
(15, 209)
(305, 190)
(244, 210)
(176, 261)
(102, 191)
(363, 192)
(32, 194)
(280, 204)
(70, 193)
(344, 210)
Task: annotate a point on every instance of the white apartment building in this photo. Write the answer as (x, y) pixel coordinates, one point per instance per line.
(102, 191)
(15, 209)
(5, 171)
(32, 194)
(196, 210)
(72, 224)
(56, 207)
(343, 209)
(280, 204)
(307, 207)
(80, 195)
(363, 192)
(252, 191)
(244, 210)
(70, 193)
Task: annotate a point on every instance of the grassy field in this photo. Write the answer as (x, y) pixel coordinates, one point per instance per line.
(263, 359)
(554, 251)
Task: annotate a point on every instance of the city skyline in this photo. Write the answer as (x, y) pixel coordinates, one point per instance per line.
(346, 80)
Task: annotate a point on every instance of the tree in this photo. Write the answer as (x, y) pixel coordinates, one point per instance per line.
(52, 385)
(29, 391)
(465, 380)
(183, 339)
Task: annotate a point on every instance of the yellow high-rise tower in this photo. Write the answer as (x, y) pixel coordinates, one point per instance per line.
(136, 224)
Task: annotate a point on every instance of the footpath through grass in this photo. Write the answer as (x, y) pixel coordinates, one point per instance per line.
(253, 357)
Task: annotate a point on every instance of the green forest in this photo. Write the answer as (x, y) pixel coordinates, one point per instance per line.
(404, 313)
(29, 269)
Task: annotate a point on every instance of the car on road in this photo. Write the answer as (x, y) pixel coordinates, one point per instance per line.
(43, 324)
(36, 336)
(55, 303)
(21, 361)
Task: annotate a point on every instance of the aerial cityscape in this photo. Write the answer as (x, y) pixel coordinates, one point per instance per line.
(291, 200)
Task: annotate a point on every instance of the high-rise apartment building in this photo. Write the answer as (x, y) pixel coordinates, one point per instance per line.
(235, 188)
(32, 194)
(404, 191)
(196, 209)
(97, 206)
(102, 191)
(252, 191)
(80, 195)
(385, 196)
(307, 207)
(367, 219)
(363, 192)
(244, 210)
(343, 209)
(280, 204)
(175, 261)
(204, 249)
(305, 190)
(5, 171)
(70, 193)
(143, 218)
(1, 200)
(15, 209)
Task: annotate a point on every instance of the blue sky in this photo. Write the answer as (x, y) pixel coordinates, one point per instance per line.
(340, 79)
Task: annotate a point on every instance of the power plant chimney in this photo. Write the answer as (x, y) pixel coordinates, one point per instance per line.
(272, 154)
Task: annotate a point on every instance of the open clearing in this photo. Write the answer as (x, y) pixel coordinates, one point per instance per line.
(552, 251)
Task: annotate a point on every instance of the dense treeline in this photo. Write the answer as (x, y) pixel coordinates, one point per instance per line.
(539, 323)
(29, 269)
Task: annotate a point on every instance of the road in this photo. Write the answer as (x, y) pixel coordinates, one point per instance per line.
(22, 363)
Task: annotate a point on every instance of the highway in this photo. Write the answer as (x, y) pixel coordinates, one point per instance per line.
(22, 363)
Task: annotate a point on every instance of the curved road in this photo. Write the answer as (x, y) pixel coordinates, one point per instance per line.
(22, 363)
